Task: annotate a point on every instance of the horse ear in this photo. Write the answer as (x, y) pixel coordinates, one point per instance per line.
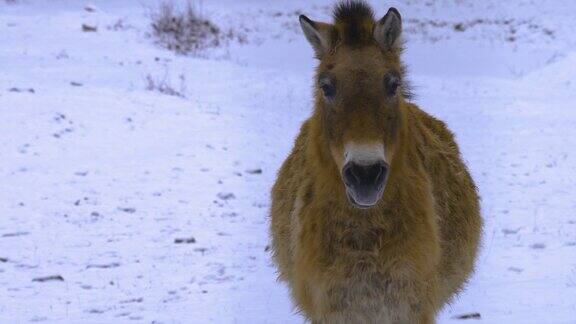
(388, 29)
(320, 35)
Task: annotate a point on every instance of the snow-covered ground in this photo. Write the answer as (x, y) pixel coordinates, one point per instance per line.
(120, 204)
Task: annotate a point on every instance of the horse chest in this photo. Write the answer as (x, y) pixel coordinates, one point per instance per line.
(355, 286)
(345, 243)
(353, 265)
(345, 253)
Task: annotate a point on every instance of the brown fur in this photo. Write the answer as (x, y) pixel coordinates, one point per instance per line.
(403, 259)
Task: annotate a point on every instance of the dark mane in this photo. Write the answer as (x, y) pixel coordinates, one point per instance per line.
(353, 10)
(354, 20)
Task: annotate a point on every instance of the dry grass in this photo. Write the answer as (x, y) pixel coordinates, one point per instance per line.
(184, 30)
(162, 85)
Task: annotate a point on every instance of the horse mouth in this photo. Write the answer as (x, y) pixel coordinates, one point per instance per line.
(365, 181)
(365, 200)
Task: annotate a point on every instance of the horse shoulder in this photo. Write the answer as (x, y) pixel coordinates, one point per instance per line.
(456, 200)
(285, 204)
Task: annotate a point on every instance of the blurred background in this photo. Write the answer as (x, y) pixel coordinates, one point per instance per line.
(139, 141)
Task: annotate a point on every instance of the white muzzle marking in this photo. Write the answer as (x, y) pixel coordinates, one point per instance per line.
(364, 154)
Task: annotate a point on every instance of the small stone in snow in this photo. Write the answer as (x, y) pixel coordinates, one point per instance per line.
(89, 28)
(514, 269)
(226, 195)
(49, 278)
(468, 316)
(538, 246)
(185, 240)
(254, 171)
(459, 27)
(103, 266)
(133, 300)
(14, 89)
(95, 311)
(510, 231)
(15, 234)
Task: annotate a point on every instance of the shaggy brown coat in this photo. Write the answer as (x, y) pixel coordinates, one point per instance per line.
(401, 260)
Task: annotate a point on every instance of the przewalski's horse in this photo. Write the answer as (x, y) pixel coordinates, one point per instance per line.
(375, 217)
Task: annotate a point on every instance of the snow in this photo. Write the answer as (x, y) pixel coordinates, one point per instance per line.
(101, 179)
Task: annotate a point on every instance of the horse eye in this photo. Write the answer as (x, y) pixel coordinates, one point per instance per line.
(391, 84)
(328, 89)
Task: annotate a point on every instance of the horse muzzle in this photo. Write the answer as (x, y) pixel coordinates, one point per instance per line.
(365, 182)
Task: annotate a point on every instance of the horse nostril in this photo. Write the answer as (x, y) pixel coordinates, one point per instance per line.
(365, 175)
(382, 172)
(350, 175)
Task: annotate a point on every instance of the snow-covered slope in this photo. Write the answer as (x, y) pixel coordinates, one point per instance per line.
(153, 208)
